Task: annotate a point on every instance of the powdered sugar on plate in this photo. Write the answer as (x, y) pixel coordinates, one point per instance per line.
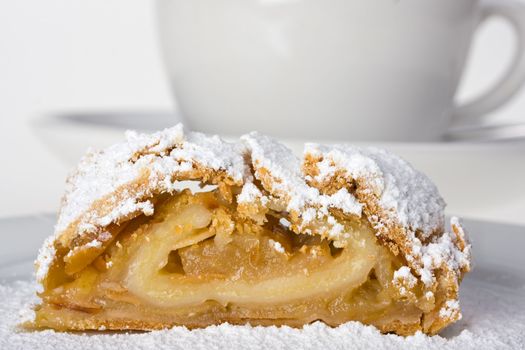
(494, 318)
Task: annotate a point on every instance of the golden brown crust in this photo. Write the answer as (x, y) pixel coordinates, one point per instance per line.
(81, 321)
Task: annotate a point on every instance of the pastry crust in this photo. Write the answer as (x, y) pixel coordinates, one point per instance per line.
(314, 195)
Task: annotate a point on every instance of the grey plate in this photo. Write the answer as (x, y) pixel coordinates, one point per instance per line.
(22, 237)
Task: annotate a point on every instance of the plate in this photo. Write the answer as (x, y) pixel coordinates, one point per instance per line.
(492, 298)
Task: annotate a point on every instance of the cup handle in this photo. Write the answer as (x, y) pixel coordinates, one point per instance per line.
(514, 77)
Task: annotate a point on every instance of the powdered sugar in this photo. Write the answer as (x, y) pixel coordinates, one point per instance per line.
(443, 251)
(277, 246)
(284, 222)
(413, 198)
(123, 209)
(451, 307)
(44, 260)
(250, 193)
(343, 200)
(404, 276)
(166, 152)
(289, 183)
(494, 318)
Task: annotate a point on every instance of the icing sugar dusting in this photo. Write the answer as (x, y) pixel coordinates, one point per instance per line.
(44, 260)
(494, 318)
(409, 193)
(290, 183)
(277, 246)
(100, 173)
(250, 193)
(166, 152)
(404, 275)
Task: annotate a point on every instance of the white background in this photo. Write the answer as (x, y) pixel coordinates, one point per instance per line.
(98, 55)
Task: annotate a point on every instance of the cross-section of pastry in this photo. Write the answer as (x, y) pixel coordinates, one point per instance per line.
(180, 228)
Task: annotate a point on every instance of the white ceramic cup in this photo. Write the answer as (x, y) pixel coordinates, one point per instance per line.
(359, 70)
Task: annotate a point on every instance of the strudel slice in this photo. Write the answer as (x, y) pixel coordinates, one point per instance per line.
(179, 228)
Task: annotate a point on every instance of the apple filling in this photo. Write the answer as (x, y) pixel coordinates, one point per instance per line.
(198, 262)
